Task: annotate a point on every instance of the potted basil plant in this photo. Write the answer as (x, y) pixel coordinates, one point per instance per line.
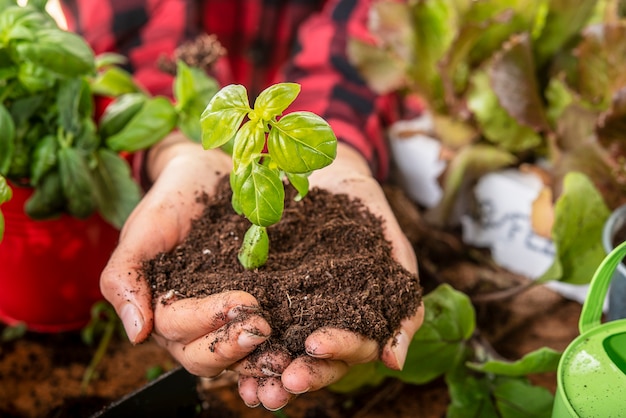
(66, 186)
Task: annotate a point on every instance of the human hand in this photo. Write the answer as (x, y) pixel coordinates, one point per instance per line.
(273, 380)
(225, 321)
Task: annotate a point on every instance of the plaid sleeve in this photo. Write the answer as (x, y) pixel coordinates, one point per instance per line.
(141, 30)
(332, 87)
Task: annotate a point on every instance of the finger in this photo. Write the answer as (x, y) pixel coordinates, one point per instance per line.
(306, 374)
(187, 319)
(394, 353)
(339, 344)
(272, 394)
(247, 386)
(210, 354)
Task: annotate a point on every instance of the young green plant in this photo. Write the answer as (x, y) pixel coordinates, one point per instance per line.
(265, 149)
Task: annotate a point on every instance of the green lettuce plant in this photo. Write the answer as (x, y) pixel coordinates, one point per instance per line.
(50, 81)
(538, 84)
(266, 147)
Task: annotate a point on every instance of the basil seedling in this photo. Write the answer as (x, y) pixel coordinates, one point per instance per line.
(266, 148)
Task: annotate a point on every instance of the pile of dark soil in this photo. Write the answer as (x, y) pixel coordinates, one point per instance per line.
(329, 265)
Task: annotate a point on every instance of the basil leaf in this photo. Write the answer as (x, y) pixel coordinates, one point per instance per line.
(76, 183)
(301, 183)
(68, 100)
(223, 115)
(262, 195)
(273, 101)
(7, 138)
(302, 142)
(47, 201)
(113, 82)
(116, 192)
(64, 53)
(44, 158)
(5, 191)
(119, 112)
(249, 143)
(156, 118)
(255, 248)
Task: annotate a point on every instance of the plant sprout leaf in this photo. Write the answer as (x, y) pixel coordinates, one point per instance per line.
(580, 213)
(542, 360)
(5, 191)
(255, 248)
(261, 195)
(273, 101)
(249, 143)
(302, 142)
(300, 182)
(223, 115)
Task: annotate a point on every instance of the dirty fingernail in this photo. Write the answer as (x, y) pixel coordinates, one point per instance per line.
(248, 340)
(132, 320)
(239, 310)
(399, 348)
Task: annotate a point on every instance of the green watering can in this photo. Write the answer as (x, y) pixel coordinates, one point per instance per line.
(591, 375)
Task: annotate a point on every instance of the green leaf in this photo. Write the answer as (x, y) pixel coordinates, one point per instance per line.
(273, 101)
(470, 396)
(67, 101)
(580, 213)
(301, 142)
(255, 248)
(48, 200)
(497, 124)
(34, 78)
(120, 112)
(262, 195)
(62, 52)
(156, 118)
(564, 21)
(441, 343)
(44, 158)
(114, 82)
(301, 183)
(116, 192)
(516, 398)
(223, 115)
(7, 138)
(77, 183)
(193, 89)
(5, 191)
(541, 360)
(360, 375)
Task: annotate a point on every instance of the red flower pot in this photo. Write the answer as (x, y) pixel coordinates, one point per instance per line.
(50, 270)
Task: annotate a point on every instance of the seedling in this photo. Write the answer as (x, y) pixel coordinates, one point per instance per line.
(266, 149)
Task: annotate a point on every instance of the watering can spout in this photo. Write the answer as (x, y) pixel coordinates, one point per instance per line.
(592, 371)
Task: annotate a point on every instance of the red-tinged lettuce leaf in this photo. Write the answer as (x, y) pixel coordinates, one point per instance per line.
(497, 125)
(601, 62)
(514, 82)
(611, 129)
(580, 213)
(453, 132)
(470, 163)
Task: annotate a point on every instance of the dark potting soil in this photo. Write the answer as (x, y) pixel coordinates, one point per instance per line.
(329, 265)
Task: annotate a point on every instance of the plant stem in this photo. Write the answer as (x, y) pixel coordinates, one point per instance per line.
(98, 355)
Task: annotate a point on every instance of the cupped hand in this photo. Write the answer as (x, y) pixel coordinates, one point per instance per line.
(331, 351)
(205, 335)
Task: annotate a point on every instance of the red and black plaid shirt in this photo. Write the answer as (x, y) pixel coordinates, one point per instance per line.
(267, 41)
